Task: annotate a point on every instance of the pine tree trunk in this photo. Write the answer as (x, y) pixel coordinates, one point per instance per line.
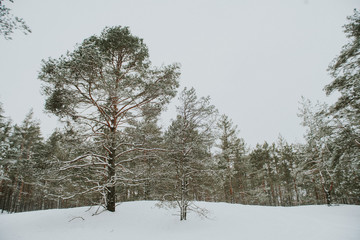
(5, 198)
(16, 190)
(231, 191)
(147, 185)
(111, 195)
(316, 192)
(273, 195)
(7, 206)
(296, 192)
(328, 194)
(183, 201)
(280, 196)
(111, 181)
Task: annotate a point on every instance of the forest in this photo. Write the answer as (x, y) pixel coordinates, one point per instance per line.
(111, 148)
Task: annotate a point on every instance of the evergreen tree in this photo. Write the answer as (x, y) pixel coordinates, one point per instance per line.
(102, 86)
(345, 71)
(262, 175)
(322, 151)
(232, 148)
(189, 139)
(9, 23)
(5, 128)
(345, 113)
(24, 165)
(242, 169)
(148, 137)
(67, 185)
(289, 171)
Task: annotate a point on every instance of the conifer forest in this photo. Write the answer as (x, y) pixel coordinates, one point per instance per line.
(111, 148)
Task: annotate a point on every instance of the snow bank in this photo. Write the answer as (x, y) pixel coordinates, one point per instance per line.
(143, 220)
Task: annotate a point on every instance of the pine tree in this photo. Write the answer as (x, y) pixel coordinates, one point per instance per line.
(321, 151)
(68, 186)
(5, 186)
(289, 173)
(345, 113)
(189, 139)
(232, 148)
(148, 137)
(9, 22)
(242, 169)
(5, 127)
(345, 71)
(102, 86)
(24, 165)
(264, 174)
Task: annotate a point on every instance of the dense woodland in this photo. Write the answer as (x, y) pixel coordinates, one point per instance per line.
(112, 149)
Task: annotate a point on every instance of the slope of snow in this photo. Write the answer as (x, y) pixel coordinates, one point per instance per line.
(143, 220)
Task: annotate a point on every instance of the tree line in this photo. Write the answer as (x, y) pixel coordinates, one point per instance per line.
(112, 149)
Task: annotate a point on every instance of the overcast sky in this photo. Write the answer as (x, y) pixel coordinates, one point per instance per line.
(254, 58)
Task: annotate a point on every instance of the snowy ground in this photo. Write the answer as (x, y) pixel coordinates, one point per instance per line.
(143, 220)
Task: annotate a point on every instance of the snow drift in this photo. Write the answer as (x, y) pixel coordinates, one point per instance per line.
(143, 220)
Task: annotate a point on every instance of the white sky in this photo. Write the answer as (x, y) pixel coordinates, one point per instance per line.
(254, 58)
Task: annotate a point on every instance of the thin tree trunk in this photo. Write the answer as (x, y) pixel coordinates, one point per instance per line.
(296, 192)
(328, 194)
(273, 195)
(231, 191)
(147, 186)
(5, 198)
(183, 201)
(280, 196)
(15, 193)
